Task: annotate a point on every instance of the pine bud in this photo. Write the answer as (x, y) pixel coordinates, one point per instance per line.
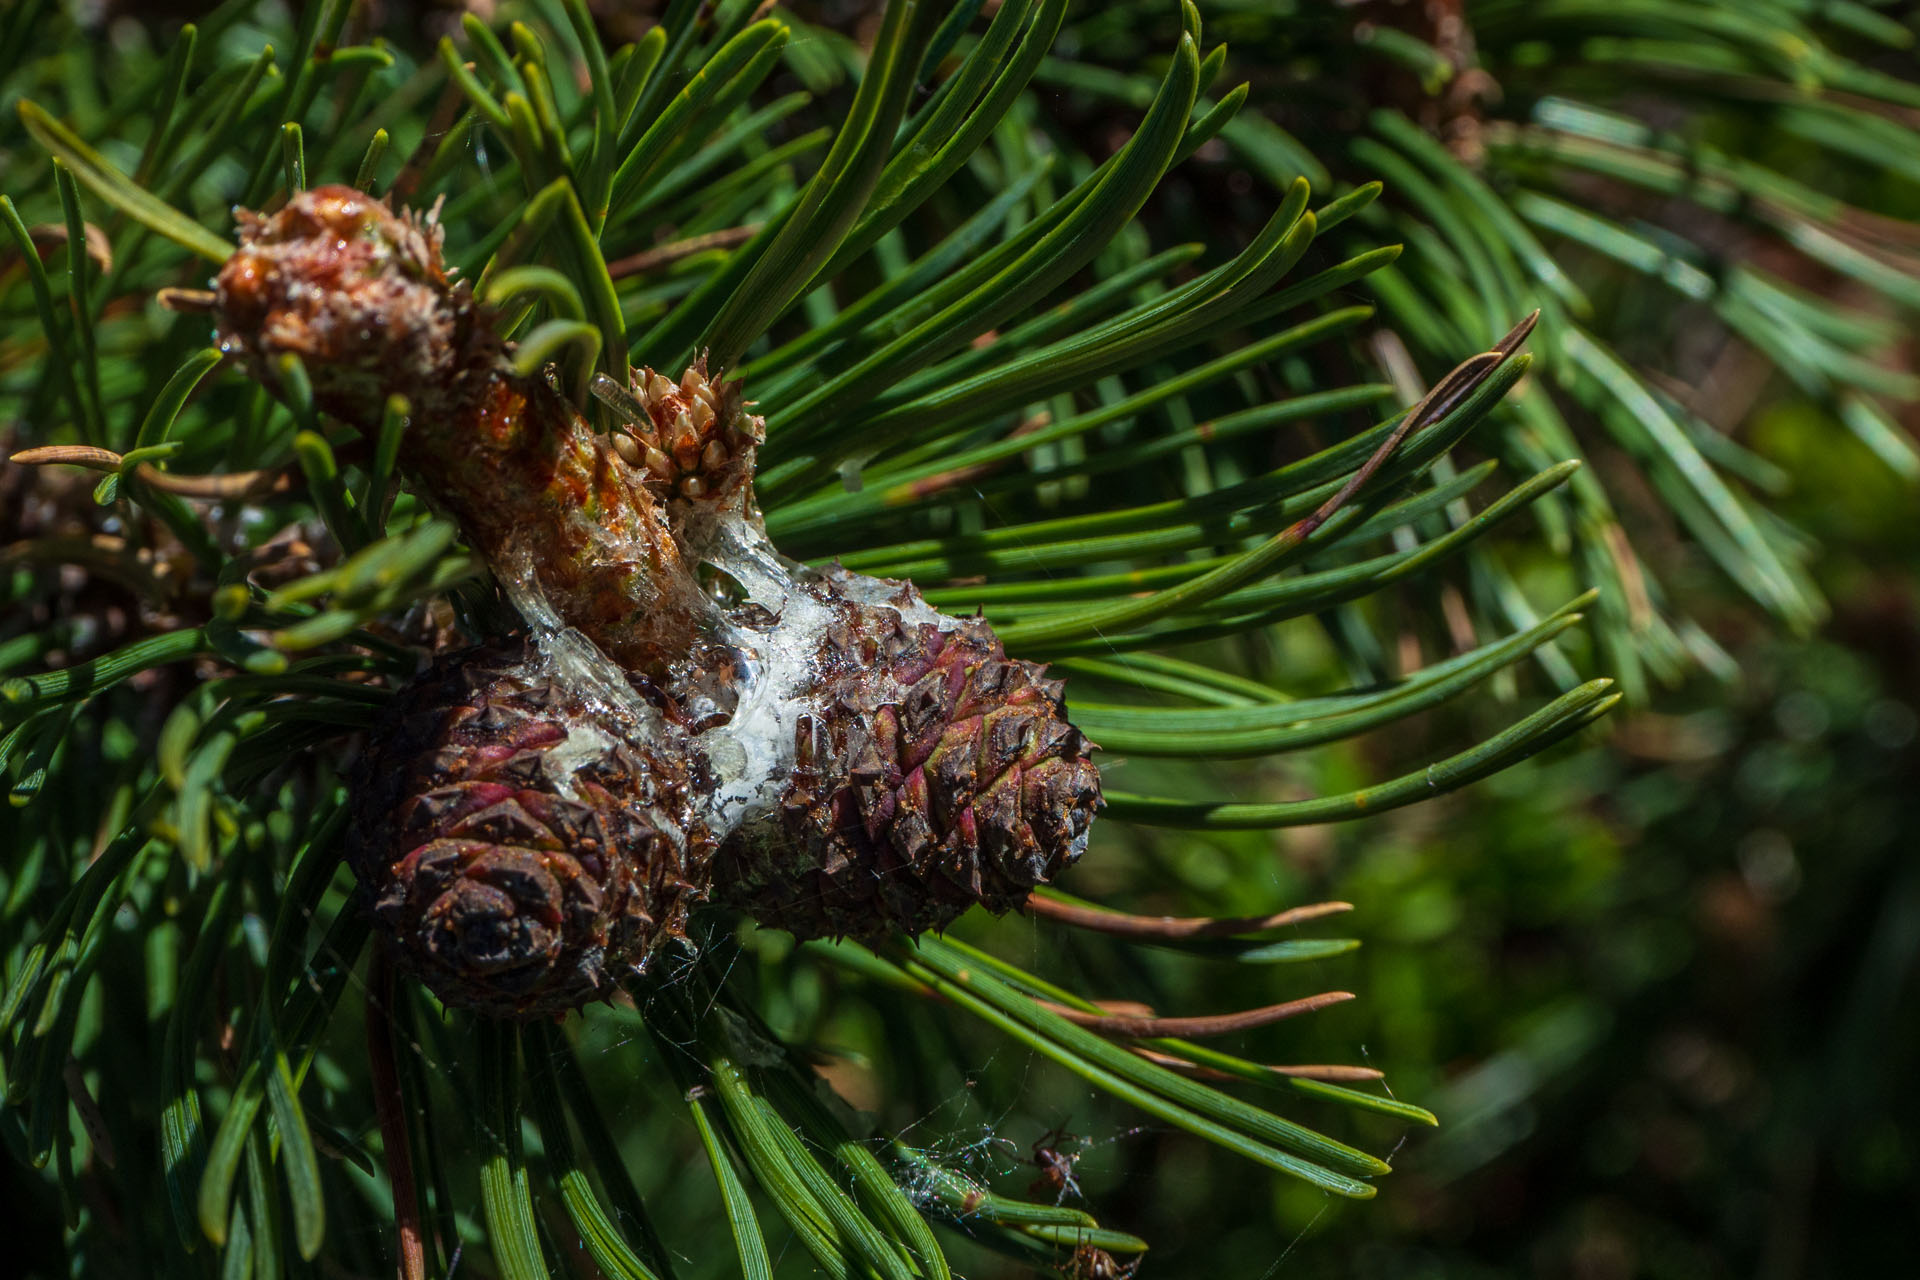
(692, 438)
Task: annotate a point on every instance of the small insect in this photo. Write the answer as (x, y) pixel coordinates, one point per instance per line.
(1056, 1165)
(1089, 1263)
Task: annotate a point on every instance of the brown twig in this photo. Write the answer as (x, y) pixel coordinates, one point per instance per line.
(1120, 923)
(236, 484)
(1218, 1024)
(186, 300)
(88, 1110)
(445, 112)
(1180, 1066)
(1447, 395)
(1329, 1073)
(930, 485)
(72, 455)
(102, 555)
(1633, 584)
(1125, 1008)
(390, 1109)
(48, 238)
(666, 254)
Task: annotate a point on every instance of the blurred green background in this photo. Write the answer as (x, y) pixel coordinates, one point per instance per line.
(1660, 988)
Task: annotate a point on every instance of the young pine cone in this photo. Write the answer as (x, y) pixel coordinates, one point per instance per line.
(520, 858)
(690, 438)
(933, 773)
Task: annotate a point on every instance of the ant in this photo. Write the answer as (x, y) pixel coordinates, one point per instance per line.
(1056, 1166)
(1089, 1263)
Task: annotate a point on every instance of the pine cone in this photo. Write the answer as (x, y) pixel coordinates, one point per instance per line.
(520, 859)
(362, 296)
(936, 773)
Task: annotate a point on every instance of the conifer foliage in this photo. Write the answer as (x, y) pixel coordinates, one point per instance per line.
(734, 421)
